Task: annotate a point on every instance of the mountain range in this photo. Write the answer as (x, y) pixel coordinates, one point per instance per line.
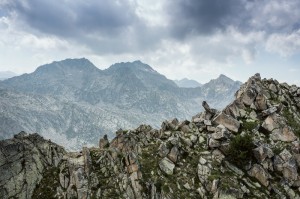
(73, 102)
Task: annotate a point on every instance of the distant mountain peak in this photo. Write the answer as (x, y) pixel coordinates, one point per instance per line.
(76, 62)
(222, 76)
(187, 83)
(135, 65)
(138, 62)
(81, 64)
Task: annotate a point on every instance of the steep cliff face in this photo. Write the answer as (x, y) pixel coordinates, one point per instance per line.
(251, 149)
(24, 160)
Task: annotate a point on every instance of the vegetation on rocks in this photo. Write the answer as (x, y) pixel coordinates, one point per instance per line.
(291, 121)
(240, 150)
(47, 186)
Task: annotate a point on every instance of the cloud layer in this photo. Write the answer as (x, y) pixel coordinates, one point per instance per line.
(196, 34)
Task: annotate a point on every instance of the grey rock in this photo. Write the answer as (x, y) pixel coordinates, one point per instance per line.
(285, 155)
(273, 88)
(218, 156)
(278, 163)
(219, 135)
(173, 154)
(262, 152)
(167, 166)
(212, 143)
(269, 111)
(194, 138)
(285, 85)
(163, 150)
(249, 96)
(290, 170)
(203, 172)
(207, 108)
(187, 186)
(271, 123)
(207, 122)
(260, 174)
(211, 128)
(260, 102)
(202, 192)
(214, 186)
(285, 135)
(202, 160)
(293, 89)
(234, 169)
(253, 115)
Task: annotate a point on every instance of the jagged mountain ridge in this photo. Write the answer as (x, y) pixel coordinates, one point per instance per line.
(91, 102)
(250, 149)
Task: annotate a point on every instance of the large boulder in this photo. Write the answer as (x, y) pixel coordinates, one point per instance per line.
(234, 108)
(204, 172)
(173, 154)
(284, 134)
(249, 96)
(261, 102)
(227, 121)
(271, 123)
(258, 172)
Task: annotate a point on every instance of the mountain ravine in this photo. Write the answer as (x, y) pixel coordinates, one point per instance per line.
(250, 149)
(72, 102)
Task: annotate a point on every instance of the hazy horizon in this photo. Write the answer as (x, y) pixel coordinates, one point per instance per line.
(182, 78)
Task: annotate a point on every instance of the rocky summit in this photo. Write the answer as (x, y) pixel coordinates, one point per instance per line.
(250, 149)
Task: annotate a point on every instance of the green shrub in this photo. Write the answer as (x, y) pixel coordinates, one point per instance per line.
(249, 125)
(240, 150)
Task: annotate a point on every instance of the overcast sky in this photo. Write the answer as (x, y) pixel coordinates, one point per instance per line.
(197, 39)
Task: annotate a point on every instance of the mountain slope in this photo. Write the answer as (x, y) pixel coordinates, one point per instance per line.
(250, 149)
(73, 99)
(57, 78)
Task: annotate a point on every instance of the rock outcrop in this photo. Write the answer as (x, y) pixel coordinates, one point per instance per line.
(24, 160)
(251, 149)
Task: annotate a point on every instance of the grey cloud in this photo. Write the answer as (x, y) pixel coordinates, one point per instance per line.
(114, 27)
(203, 16)
(104, 26)
(275, 16)
(69, 18)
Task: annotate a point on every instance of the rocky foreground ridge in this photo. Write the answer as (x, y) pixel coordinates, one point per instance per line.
(248, 150)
